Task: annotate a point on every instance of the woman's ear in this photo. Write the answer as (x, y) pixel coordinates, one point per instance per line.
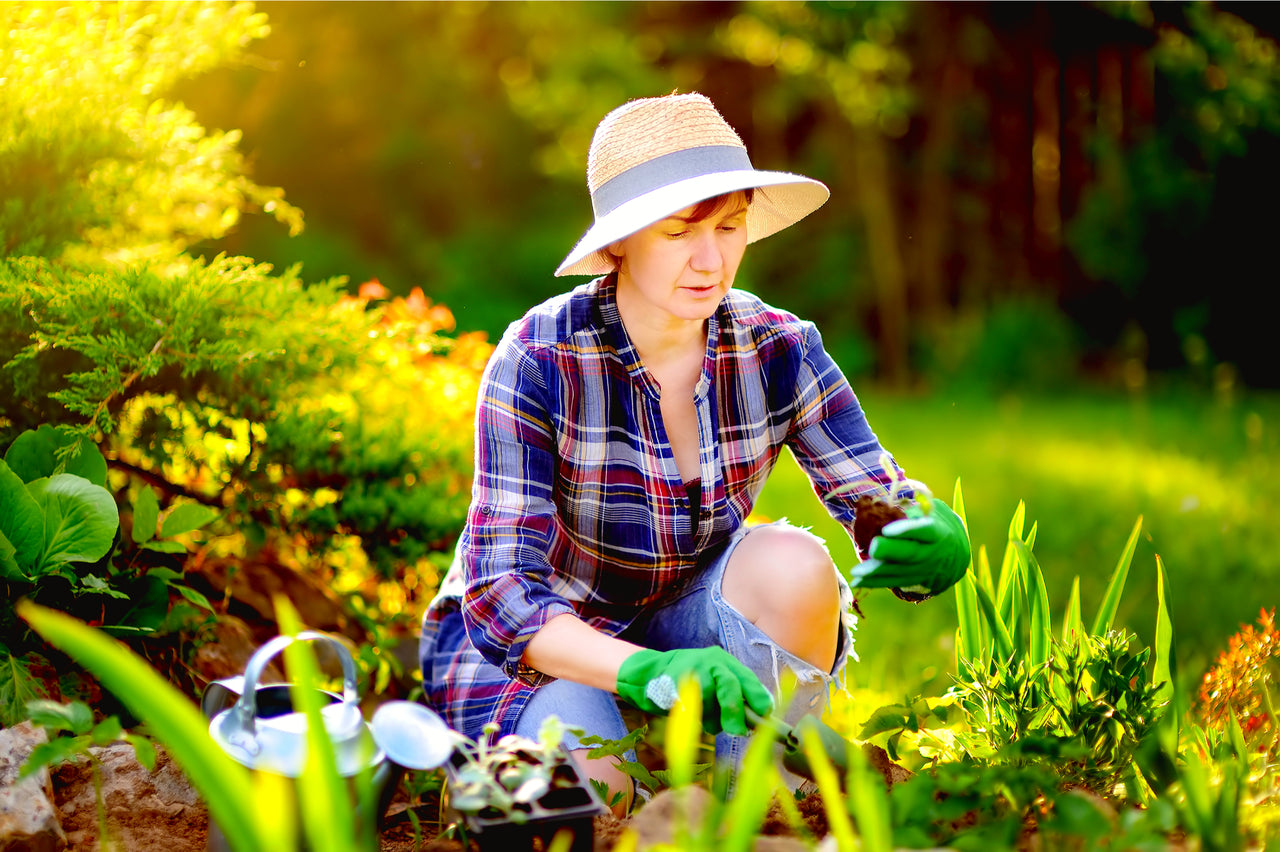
(615, 250)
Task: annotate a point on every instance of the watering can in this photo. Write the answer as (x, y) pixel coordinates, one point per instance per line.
(257, 725)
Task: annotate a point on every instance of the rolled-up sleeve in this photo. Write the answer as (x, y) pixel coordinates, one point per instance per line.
(508, 595)
(830, 436)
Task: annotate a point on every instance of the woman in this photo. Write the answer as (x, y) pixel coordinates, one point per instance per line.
(623, 433)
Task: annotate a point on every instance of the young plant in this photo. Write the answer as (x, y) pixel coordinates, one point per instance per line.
(73, 733)
(1083, 700)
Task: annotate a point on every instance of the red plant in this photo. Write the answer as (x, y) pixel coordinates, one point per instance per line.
(1241, 682)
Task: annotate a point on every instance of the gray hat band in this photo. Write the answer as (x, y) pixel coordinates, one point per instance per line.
(666, 170)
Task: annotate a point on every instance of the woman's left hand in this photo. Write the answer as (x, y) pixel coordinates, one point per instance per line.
(926, 551)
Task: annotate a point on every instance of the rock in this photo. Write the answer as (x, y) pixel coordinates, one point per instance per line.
(28, 820)
(145, 810)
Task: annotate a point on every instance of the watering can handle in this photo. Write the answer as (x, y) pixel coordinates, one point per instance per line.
(241, 717)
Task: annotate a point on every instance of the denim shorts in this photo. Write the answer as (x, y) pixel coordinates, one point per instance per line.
(699, 617)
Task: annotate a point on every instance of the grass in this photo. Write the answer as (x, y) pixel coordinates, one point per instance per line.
(1203, 472)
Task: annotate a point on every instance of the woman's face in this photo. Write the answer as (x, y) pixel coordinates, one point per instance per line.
(681, 267)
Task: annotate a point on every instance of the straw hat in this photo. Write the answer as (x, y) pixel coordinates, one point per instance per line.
(653, 157)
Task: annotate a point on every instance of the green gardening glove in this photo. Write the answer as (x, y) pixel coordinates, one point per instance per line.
(926, 552)
(649, 680)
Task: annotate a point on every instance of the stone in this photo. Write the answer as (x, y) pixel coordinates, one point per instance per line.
(145, 809)
(28, 820)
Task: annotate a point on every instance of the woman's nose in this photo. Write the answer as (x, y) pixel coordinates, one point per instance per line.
(707, 256)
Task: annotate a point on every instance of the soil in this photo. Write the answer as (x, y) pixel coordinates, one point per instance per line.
(185, 828)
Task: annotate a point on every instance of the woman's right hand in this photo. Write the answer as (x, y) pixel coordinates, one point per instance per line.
(650, 680)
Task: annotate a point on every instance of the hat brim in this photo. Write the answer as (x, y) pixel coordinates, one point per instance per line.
(781, 199)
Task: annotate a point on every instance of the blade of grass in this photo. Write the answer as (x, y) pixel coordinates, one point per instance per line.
(756, 782)
(829, 785)
(1111, 601)
(177, 723)
(326, 804)
(870, 805)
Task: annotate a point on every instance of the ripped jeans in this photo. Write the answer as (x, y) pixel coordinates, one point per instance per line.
(700, 617)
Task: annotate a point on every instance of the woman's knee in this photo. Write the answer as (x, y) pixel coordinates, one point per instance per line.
(781, 567)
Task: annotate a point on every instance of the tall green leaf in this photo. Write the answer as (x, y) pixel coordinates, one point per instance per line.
(969, 646)
(1040, 626)
(1006, 591)
(328, 818)
(1165, 666)
(1072, 623)
(1111, 601)
(225, 785)
(1000, 633)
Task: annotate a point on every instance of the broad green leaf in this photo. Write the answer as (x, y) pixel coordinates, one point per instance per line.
(1165, 668)
(18, 687)
(100, 586)
(165, 546)
(226, 786)
(1111, 601)
(890, 717)
(146, 515)
(196, 597)
(186, 517)
(56, 717)
(80, 520)
(21, 522)
(34, 455)
(9, 568)
(55, 752)
(144, 750)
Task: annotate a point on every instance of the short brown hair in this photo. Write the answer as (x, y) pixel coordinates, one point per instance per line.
(704, 209)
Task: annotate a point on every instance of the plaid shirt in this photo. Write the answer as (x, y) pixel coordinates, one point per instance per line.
(577, 503)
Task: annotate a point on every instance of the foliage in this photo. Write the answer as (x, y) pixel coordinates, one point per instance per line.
(507, 778)
(92, 155)
(1018, 344)
(1164, 211)
(59, 546)
(312, 421)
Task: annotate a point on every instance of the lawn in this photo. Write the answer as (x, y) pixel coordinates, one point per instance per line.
(1201, 471)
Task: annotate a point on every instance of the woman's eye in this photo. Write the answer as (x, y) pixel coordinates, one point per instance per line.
(675, 235)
